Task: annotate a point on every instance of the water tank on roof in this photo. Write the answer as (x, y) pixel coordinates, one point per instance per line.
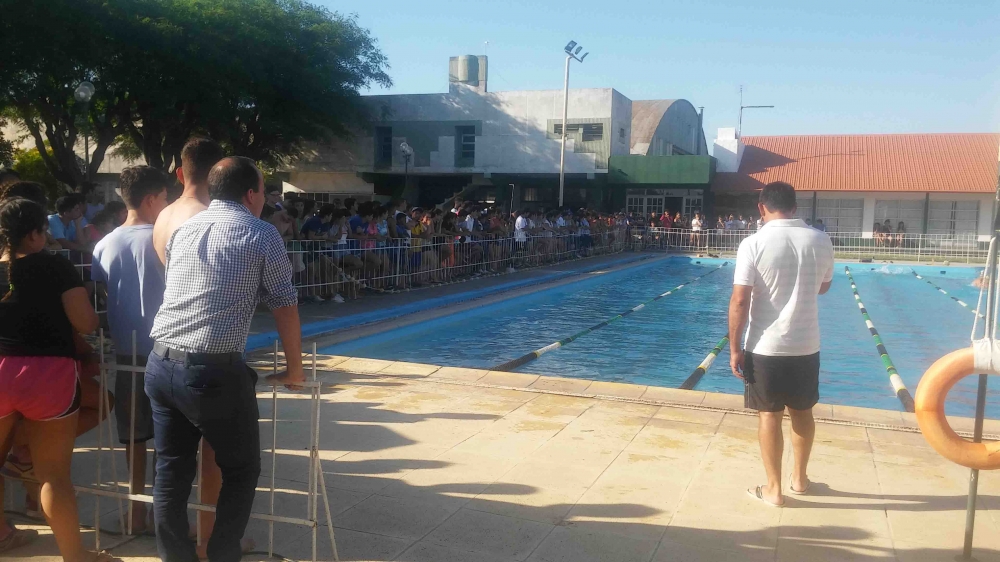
(469, 70)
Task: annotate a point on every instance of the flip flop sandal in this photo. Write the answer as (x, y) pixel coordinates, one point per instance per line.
(17, 470)
(105, 556)
(758, 494)
(18, 537)
(801, 492)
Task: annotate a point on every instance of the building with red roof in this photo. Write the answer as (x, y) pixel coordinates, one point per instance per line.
(932, 183)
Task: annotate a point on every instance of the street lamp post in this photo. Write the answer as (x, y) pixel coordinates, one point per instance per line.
(407, 151)
(572, 50)
(83, 93)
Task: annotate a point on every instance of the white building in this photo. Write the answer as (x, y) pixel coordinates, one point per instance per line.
(498, 144)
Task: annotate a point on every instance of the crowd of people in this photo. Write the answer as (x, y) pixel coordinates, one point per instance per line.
(340, 247)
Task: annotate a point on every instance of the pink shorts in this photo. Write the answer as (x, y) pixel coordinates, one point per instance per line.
(39, 388)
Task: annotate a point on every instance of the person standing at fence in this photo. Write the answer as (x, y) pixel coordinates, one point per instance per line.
(66, 225)
(44, 309)
(220, 264)
(197, 158)
(780, 273)
(125, 262)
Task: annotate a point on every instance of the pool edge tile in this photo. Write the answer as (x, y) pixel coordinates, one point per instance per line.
(508, 379)
(668, 395)
(561, 384)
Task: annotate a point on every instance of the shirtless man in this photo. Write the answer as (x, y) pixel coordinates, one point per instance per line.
(197, 158)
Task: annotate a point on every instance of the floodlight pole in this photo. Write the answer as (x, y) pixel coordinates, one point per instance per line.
(570, 56)
(562, 148)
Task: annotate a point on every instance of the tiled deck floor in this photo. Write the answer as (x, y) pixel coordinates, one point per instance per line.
(422, 465)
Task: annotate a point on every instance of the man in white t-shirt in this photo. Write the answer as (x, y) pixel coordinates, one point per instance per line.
(520, 227)
(780, 272)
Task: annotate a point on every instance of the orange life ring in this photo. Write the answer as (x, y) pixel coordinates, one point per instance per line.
(929, 406)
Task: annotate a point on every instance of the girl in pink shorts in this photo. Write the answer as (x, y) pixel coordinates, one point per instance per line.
(45, 306)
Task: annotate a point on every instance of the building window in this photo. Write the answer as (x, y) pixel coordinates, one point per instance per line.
(955, 218)
(692, 205)
(593, 132)
(841, 215)
(909, 212)
(531, 194)
(383, 147)
(621, 133)
(590, 131)
(465, 146)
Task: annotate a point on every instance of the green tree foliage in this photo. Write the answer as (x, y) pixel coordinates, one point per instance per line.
(49, 47)
(6, 149)
(261, 76)
(31, 167)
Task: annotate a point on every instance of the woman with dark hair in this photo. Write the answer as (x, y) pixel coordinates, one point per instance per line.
(39, 376)
(900, 234)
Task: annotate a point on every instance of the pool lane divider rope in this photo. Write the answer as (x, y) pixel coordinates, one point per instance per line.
(529, 357)
(943, 292)
(897, 383)
(705, 365)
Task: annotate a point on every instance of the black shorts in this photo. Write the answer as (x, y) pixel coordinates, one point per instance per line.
(773, 382)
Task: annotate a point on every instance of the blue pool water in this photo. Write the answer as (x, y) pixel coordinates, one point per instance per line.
(662, 343)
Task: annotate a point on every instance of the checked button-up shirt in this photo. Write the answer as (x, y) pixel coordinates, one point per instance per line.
(220, 264)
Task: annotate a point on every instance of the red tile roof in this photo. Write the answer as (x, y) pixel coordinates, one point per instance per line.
(955, 162)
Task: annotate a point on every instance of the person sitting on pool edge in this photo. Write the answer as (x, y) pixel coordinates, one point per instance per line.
(780, 273)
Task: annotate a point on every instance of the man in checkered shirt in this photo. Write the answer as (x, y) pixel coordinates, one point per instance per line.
(220, 264)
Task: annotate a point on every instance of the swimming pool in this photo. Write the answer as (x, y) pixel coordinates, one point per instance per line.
(662, 343)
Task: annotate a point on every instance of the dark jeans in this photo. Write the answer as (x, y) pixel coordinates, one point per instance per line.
(216, 402)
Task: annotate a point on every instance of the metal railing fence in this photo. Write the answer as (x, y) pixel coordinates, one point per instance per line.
(965, 248)
(323, 268)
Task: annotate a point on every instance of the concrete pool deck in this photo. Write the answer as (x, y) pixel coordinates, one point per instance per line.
(437, 464)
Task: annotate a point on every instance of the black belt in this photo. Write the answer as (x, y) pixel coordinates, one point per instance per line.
(196, 358)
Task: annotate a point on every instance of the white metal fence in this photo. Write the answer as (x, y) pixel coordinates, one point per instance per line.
(848, 245)
(322, 268)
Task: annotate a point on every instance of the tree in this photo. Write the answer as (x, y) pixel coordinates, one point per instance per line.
(29, 165)
(6, 147)
(38, 78)
(261, 76)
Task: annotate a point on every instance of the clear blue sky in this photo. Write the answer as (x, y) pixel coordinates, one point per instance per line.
(876, 66)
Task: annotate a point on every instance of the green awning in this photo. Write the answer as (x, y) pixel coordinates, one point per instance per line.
(636, 169)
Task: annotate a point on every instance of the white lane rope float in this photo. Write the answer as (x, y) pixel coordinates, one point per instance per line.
(894, 379)
(945, 293)
(529, 357)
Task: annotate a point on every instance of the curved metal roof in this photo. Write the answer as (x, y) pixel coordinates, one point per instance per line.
(648, 116)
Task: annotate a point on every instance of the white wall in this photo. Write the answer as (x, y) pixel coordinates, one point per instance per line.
(513, 139)
(728, 151)
(870, 197)
(621, 118)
